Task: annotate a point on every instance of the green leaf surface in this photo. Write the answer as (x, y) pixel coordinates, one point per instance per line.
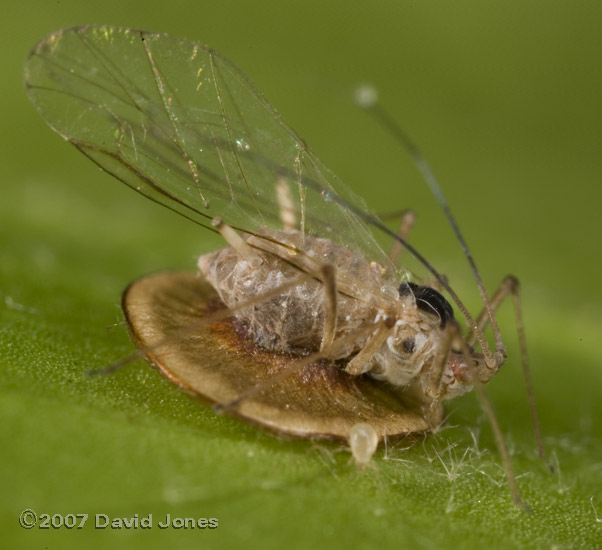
(505, 103)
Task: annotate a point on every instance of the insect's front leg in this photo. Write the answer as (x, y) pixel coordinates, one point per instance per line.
(361, 362)
(330, 303)
(510, 286)
(436, 386)
(430, 388)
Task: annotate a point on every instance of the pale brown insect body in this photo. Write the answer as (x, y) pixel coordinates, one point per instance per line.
(318, 332)
(293, 321)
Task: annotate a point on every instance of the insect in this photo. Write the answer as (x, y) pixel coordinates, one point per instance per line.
(302, 324)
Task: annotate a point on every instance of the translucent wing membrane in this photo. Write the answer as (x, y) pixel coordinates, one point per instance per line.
(182, 125)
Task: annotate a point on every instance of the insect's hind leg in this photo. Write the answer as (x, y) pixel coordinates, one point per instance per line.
(495, 426)
(510, 286)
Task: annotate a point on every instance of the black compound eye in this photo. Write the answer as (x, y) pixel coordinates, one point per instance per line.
(408, 345)
(429, 300)
(408, 288)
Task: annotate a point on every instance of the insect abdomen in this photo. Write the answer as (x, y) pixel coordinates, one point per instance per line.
(292, 321)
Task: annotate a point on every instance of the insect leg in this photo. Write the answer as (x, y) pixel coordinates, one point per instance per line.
(497, 432)
(286, 205)
(361, 362)
(511, 286)
(330, 302)
(408, 218)
(235, 241)
(435, 389)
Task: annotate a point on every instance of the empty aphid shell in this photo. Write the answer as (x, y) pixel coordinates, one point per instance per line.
(217, 362)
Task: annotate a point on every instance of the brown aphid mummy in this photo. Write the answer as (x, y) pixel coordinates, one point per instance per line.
(397, 389)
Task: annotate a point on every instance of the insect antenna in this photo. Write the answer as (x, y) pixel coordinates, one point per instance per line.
(367, 98)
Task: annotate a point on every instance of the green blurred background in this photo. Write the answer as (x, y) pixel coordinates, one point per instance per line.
(504, 99)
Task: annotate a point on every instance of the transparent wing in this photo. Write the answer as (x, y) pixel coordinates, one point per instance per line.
(182, 125)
